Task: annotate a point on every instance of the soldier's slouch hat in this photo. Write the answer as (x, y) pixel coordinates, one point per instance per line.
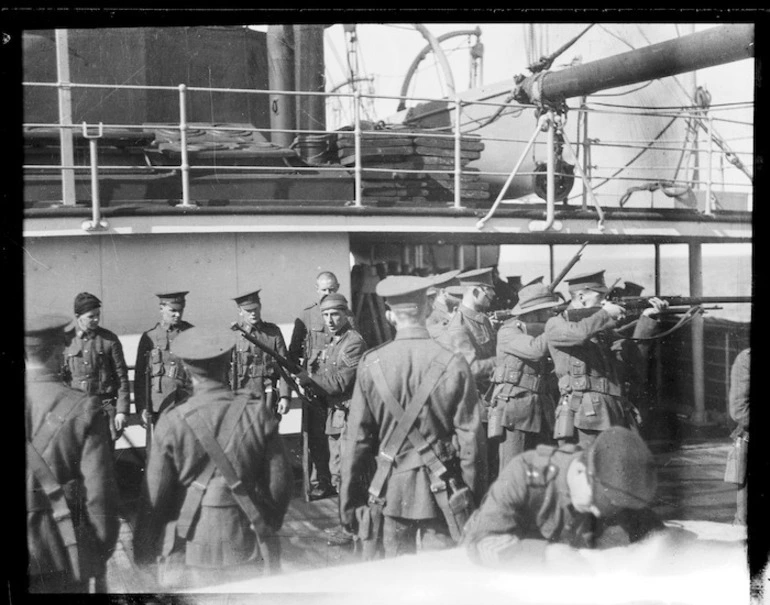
(535, 297)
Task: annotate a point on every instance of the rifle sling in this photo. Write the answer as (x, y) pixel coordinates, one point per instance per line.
(405, 418)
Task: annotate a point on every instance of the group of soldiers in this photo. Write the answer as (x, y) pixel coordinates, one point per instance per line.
(505, 438)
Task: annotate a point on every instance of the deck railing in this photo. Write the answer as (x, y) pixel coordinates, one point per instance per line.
(698, 120)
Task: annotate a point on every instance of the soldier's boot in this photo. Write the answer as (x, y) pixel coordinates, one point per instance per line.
(324, 489)
(337, 536)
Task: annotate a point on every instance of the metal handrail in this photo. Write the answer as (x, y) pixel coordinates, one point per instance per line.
(455, 134)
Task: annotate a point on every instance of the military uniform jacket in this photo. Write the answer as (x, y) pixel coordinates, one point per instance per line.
(522, 384)
(740, 375)
(529, 506)
(170, 383)
(592, 364)
(309, 337)
(221, 536)
(253, 369)
(80, 457)
(438, 320)
(449, 420)
(471, 334)
(95, 365)
(336, 375)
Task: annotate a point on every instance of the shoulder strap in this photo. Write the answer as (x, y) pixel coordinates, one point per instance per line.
(197, 488)
(405, 419)
(220, 461)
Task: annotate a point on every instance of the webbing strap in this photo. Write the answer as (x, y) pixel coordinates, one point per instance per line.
(61, 510)
(206, 438)
(47, 480)
(405, 419)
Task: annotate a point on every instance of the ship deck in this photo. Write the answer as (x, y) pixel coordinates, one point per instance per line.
(691, 488)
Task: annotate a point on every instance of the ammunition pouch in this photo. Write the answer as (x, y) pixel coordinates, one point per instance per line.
(737, 461)
(369, 520)
(156, 362)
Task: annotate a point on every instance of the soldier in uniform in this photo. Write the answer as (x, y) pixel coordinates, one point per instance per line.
(523, 396)
(252, 369)
(71, 491)
(94, 363)
(336, 376)
(591, 361)
(740, 379)
(548, 502)
(443, 303)
(307, 341)
(160, 379)
(415, 410)
(218, 481)
(470, 333)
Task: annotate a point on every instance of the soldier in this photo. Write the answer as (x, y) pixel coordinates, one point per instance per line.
(415, 409)
(523, 393)
(251, 368)
(443, 303)
(336, 375)
(307, 341)
(470, 332)
(218, 481)
(591, 361)
(72, 494)
(549, 501)
(740, 378)
(94, 363)
(160, 379)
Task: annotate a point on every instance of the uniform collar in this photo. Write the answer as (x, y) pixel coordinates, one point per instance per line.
(471, 314)
(340, 335)
(412, 333)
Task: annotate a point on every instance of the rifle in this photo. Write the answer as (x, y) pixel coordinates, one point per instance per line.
(635, 303)
(567, 268)
(148, 403)
(313, 393)
(505, 314)
(677, 305)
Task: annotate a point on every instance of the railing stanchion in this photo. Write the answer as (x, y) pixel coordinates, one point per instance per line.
(458, 165)
(357, 171)
(96, 223)
(185, 160)
(65, 117)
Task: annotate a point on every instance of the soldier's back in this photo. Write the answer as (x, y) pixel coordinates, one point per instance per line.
(72, 438)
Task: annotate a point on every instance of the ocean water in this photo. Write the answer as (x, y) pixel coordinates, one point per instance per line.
(723, 274)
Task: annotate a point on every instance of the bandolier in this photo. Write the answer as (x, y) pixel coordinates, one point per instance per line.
(254, 370)
(251, 369)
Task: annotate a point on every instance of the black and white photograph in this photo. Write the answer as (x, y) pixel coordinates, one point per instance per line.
(385, 307)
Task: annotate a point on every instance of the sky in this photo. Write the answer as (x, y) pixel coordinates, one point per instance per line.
(385, 52)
